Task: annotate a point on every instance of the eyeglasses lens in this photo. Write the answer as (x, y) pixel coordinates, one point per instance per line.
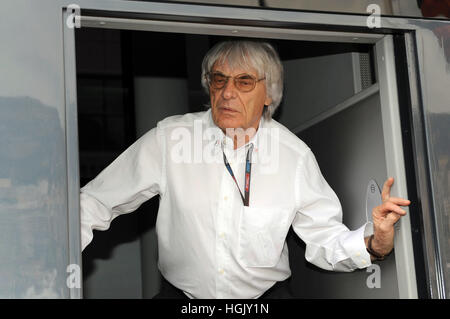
(244, 83)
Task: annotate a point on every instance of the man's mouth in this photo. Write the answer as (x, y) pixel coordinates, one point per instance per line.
(227, 109)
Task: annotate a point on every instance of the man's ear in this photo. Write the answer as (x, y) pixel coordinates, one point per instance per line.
(267, 101)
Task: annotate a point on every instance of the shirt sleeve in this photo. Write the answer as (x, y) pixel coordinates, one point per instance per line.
(131, 179)
(330, 245)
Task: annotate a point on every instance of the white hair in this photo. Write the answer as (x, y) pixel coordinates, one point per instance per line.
(260, 56)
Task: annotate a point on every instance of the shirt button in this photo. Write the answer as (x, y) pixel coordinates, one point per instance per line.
(221, 271)
(225, 198)
(222, 235)
(363, 261)
(358, 254)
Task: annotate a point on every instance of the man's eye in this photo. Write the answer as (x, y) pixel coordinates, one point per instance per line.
(219, 78)
(245, 81)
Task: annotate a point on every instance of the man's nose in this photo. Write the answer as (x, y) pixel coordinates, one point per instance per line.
(229, 90)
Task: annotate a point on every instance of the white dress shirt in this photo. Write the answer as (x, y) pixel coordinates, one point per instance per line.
(210, 245)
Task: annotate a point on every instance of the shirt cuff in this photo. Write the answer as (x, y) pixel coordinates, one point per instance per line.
(356, 246)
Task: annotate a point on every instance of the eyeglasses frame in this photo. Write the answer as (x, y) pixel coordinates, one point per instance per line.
(207, 75)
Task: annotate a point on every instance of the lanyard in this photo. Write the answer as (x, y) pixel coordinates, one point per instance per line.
(248, 168)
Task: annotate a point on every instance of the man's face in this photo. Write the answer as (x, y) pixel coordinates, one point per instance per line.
(232, 108)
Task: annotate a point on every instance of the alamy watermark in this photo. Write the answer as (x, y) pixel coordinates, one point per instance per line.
(374, 19)
(74, 277)
(205, 145)
(74, 18)
(374, 280)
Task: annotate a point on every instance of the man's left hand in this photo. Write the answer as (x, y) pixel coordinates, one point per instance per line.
(384, 218)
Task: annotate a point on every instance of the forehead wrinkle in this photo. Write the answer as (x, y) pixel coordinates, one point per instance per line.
(235, 60)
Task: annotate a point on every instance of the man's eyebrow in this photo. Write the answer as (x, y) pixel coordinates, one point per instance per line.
(240, 75)
(218, 72)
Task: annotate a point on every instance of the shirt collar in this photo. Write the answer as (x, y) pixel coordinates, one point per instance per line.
(222, 138)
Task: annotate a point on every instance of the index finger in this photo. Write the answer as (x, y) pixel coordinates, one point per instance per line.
(386, 192)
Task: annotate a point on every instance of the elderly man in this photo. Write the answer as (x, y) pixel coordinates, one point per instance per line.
(222, 223)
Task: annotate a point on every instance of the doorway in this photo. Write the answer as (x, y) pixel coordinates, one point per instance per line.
(332, 90)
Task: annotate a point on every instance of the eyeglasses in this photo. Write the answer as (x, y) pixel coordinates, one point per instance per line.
(243, 82)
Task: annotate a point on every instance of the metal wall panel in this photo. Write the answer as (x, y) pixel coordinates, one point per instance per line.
(433, 49)
(34, 248)
(350, 150)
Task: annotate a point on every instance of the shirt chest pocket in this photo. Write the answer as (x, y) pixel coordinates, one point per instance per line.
(262, 234)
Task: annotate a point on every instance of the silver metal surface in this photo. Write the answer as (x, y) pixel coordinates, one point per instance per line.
(385, 7)
(300, 18)
(404, 253)
(33, 164)
(373, 198)
(434, 73)
(338, 108)
(423, 178)
(73, 182)
(227, 30)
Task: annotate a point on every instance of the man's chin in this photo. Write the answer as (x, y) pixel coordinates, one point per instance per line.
(228, 124)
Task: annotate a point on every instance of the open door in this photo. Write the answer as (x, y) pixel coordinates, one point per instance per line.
(354, 141)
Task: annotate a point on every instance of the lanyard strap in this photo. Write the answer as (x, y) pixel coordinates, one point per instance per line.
(248, 170)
